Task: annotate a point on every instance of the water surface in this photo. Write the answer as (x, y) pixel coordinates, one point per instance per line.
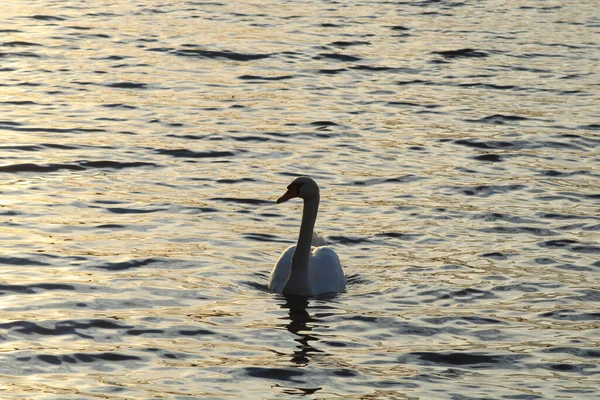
(144, 143)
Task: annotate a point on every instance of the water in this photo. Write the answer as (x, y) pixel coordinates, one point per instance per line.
(457, 149)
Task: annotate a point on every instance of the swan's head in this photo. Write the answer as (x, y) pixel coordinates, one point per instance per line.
(302, 187)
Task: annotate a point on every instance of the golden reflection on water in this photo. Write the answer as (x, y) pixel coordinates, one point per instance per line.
(124, 280)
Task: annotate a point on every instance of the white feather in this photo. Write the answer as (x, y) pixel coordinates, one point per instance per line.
(325, 272)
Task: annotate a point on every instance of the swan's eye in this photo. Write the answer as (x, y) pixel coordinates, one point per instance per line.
(295, 185)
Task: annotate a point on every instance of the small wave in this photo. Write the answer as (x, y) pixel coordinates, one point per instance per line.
(195, 332)
(90, 35)
(26, 54)
(10, 123)
(20, 261)
(127, 85)
(462, 53)
(515, 144)
(64, 327)
(415, 82)
(399, 179)
(81, 358)
(489, 158)
(559, 244)
(330, 25)
(345, 44)
(554, 173)
(571, 245)
(232, 181)
(499, 119)
(140, 332)
(587, 295)
(501, 217)
(253, 138)
(576, 351)
(40, 168)
(371, 68)
(127, 265)
(495, 255)
(119, 105)
(41, 17)
(515, 230)
(115, 164)
(571, 315)
(573, 267)
(592, 127)
(337, 57)
(19, 128)
(20, 102)
(399, 235)
(58, 146)
(489, 86)
(540, 55)
(526, 287)
(228, 55)
(348, 240)
(21, 148)
(265, 78)
(264, 237)
(123, 210)
(486, 190)
(472, 319)
(32, 289)
(465, 359)
(491, 144)
(333, 71)
(80, 166)
(467, 295)
(281, 374)
(324, 123)
(79, 28)
(243, 200)
(19, 44)
(170, 124)
(410, 104)
(184, 153)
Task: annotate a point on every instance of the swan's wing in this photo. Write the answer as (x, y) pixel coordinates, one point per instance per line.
(317, 240)
(325, 270)
(281, 270)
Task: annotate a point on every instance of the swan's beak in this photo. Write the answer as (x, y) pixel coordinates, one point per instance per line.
(290, 194)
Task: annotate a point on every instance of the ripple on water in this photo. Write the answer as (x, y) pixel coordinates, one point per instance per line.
(459, 186)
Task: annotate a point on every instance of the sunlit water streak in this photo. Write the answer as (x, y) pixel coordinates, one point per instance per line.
(456, 146)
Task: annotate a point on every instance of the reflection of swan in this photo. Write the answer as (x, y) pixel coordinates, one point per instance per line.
(299, 317)
(302, 270)
(299, 325)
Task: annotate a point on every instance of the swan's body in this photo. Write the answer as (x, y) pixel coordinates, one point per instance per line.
(325, 273)
(309, 268)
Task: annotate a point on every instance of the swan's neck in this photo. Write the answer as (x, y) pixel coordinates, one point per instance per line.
(303, 247)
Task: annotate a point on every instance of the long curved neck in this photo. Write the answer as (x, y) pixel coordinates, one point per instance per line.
(309, 216)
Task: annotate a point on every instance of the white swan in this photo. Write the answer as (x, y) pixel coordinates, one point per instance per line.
(303, 270)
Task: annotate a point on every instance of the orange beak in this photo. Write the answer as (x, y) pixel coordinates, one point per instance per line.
(290, 194)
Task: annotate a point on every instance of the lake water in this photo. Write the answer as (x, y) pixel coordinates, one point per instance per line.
(457, 146)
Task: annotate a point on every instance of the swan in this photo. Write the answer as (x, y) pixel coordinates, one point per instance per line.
(309, 268)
